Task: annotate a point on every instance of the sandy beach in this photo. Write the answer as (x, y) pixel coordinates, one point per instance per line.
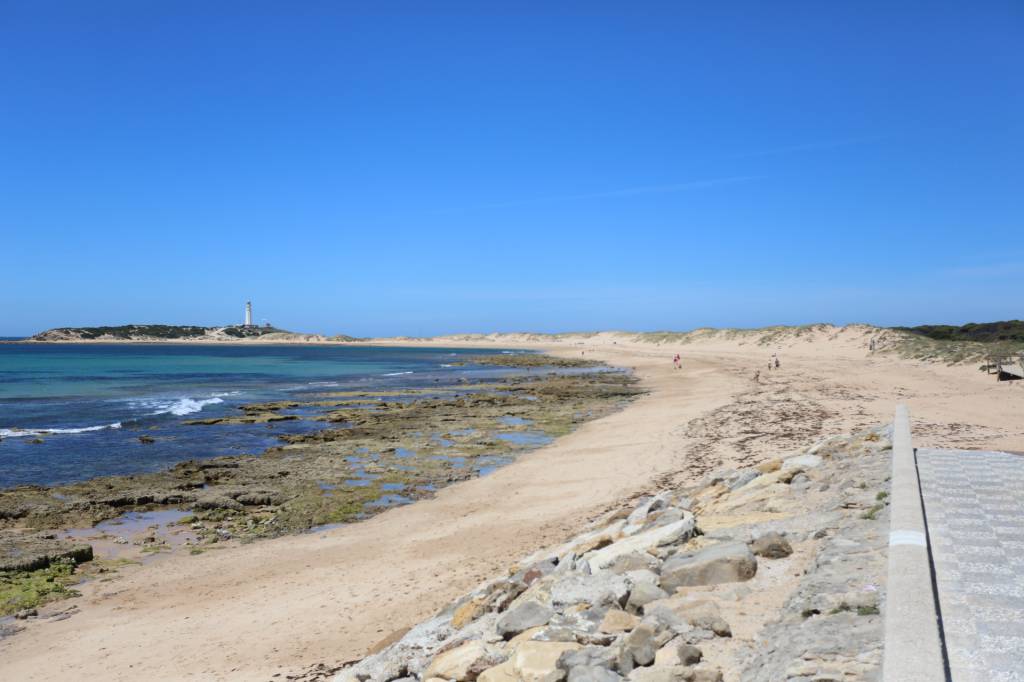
(249, 612)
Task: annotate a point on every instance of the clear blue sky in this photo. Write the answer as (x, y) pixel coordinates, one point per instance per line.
(419, 168)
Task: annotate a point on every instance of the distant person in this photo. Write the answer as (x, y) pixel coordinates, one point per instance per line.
(757, 376)
(776, 362)
(769, 364)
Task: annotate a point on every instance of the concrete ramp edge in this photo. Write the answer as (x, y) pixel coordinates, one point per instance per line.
(913, 647)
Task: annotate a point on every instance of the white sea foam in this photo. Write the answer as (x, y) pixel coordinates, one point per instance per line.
(22, 433)
(396, 374)
(183, 406)
(179, 407)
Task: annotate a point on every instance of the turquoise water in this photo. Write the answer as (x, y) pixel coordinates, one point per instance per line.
(88, 404)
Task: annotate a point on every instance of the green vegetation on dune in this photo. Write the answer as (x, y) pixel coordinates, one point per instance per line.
(248, 332)
(984, 332)
(952, 345)
(762, 335)
(129, 332)
(126, 331)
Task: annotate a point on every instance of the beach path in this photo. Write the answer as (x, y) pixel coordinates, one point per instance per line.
(974, 502)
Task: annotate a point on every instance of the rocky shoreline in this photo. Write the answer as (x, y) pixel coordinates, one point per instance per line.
(773, 572)
(374, 450)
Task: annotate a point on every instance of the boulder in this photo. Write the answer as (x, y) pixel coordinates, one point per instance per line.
(468, 612)
(802, 462)
(596, 539)
(465, 662)
(697, 613)
(723, 563)
(538, 570)
(408, 655)
(617, 620)
(665, 517)
(536, 661)
(675, 673)
(640, 644)
(704, 674)
(670, 534)
(771, 545)
(602, 589)
(663, 617)
(705, 615)
(643, 576)
(524, 636)
(633, 561)
(499, 673)
(678, 652)
(688, 654)
(529, 614)
(592, 674)
(740, 478)
(588, 657)
(644, 593)
(638, 516)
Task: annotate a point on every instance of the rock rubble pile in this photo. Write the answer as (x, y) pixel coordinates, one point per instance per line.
(649, 592)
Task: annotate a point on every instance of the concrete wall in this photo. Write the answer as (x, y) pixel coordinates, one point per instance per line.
(913, 650)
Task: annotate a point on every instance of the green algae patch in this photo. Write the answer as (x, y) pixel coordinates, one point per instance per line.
(314, 508)
(29, 589)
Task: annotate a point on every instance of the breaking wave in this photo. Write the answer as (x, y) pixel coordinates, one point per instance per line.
(22, 433)
(179, 407)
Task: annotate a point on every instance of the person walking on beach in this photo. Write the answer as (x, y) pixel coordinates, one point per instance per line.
(776, 362)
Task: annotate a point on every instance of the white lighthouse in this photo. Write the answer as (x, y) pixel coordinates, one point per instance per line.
(248, 313)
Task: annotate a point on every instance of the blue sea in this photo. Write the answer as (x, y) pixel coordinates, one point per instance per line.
(89, 404)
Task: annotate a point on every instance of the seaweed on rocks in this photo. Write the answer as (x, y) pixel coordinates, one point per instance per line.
(376, 450)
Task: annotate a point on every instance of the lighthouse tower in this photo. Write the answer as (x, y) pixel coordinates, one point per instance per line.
(248, 313)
